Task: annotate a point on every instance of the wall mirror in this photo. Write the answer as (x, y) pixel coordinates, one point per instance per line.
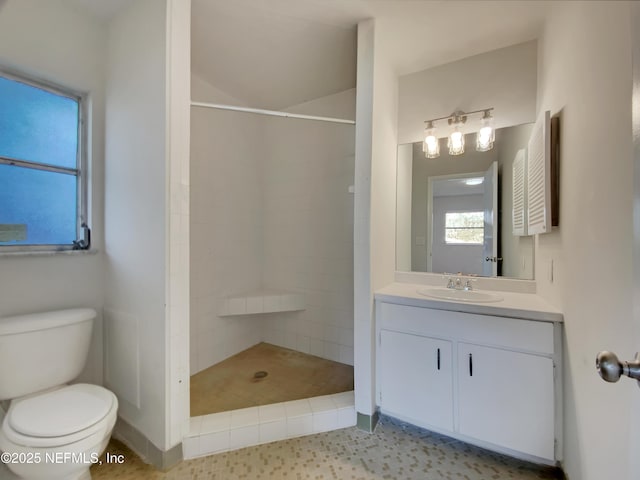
(455, 213)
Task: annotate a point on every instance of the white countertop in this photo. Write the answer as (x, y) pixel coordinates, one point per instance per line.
(515, 305)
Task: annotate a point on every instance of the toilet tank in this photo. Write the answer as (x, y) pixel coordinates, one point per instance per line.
(43, 350)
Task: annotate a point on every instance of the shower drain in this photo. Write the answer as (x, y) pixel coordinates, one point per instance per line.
(260, 374)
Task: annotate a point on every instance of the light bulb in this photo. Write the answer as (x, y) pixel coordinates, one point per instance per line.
(456, 142)
(431, 145)
(487, 134)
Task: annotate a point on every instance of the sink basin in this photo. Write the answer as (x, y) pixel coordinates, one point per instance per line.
(472, 296)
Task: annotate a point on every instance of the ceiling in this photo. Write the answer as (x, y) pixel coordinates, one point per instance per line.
(278, 53)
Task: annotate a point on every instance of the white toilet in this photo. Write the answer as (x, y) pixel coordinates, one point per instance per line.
(51, 430)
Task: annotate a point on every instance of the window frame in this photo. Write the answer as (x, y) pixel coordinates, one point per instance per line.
(83, 236)
(462, 244)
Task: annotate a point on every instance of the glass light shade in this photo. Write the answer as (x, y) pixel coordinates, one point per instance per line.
(485, 138)
(456, 142)
(486, 135)
(431, 145)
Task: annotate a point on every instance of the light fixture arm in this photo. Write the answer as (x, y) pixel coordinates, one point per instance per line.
(460, 115)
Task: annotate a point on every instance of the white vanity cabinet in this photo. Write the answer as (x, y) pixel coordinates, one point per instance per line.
(489, 380)
(506, 398)
(413, 366)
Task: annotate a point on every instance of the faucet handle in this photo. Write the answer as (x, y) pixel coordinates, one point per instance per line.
(451, 283)
(468, 285)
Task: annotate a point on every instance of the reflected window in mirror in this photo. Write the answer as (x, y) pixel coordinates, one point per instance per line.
(464, 228)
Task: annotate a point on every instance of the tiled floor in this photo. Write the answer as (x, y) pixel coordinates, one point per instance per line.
(291, 375)
(393, 451)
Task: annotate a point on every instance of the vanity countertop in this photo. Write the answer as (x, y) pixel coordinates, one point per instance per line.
(527, 306)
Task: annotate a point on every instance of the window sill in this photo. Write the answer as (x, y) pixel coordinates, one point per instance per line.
(48, 253)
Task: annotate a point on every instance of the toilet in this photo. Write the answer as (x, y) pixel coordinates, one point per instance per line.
(51, 430)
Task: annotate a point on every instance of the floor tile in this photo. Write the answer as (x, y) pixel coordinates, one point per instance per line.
(395, 451)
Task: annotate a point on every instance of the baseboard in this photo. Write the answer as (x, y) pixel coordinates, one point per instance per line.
(144, 448)
(367, 422)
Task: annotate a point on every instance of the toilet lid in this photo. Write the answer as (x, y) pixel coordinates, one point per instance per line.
(60, 412)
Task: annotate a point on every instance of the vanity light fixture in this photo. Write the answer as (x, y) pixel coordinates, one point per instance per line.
(431, 145)
(456, 141)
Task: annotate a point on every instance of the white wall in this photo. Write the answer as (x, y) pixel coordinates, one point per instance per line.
(585, 74)
(177, 212)
(504, 79)
(136, 199)
(375, 197)
(48, 40)
(227, 161)
(308, 226)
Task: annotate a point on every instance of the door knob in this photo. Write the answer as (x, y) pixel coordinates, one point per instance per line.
(611, 369)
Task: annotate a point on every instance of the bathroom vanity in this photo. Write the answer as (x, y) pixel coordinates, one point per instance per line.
(486, 373)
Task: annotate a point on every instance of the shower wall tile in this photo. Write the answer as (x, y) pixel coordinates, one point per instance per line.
(270, 423)
(244, 417)
(244, 437)
(213, 443)
(273, 431)
(299, 426)
(226, 228)
(308, 232)
(325, 421)
(273, 412)
(215, 422)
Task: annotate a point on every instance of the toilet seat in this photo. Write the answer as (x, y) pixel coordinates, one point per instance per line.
(60, 417)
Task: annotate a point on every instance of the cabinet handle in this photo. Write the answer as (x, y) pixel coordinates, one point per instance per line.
(471, 364)
(438, 359)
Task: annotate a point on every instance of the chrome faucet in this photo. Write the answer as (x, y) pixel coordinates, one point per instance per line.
(456, 284)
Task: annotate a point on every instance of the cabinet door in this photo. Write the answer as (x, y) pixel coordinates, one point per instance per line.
(506, 398)
(416, 379)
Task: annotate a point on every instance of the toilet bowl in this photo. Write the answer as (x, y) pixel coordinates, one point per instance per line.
(51, 430)
(60, 433)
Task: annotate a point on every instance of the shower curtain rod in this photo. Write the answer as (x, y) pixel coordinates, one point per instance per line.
(272, 113)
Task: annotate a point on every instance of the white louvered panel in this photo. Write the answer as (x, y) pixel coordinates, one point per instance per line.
(519, 205)
(539, 177)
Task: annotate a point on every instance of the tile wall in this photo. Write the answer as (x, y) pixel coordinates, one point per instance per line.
(270, 211)
(308, 234)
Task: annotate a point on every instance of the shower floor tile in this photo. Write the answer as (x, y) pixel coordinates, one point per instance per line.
(291, 375)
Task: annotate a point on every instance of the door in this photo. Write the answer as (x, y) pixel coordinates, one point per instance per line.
(416, 379)
(506, 398)
(491, 214)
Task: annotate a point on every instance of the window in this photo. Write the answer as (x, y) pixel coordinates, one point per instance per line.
(42, 167)
(464, 228)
